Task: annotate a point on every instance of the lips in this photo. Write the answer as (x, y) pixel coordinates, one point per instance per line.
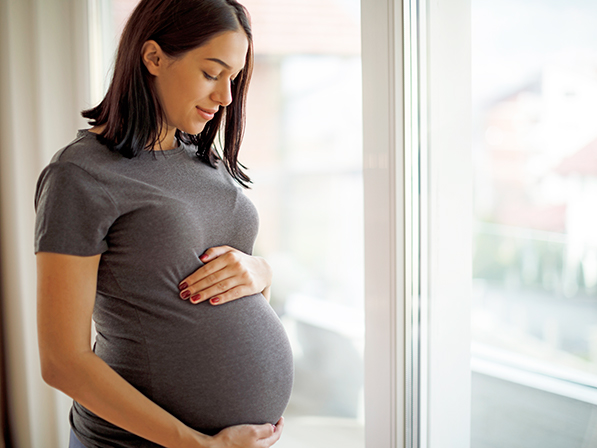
(207, 114)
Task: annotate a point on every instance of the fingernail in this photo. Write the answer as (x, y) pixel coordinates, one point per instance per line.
(195, 298)
(185, 294)
(202, 257)
(215, 300)
(183, 286)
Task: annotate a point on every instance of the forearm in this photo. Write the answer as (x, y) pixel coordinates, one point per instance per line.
(91, 382)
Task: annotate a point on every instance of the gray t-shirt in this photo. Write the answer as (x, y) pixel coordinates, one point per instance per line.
(151, 217)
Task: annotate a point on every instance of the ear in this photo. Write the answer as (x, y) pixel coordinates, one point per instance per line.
(153, 57)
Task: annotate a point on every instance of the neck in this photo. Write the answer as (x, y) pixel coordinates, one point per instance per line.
(167, 139)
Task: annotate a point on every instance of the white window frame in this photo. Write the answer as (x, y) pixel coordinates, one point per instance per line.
(381, 42)
(418, 209)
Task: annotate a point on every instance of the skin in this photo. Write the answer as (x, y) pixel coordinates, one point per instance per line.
(67, 283)
(200, 79)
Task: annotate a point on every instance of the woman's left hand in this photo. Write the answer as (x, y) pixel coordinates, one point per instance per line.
(228, 274)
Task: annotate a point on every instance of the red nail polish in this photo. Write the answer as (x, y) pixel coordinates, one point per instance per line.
(215, 300)
(195, 298)
(185, 294)
(202, 257)
(183, 286)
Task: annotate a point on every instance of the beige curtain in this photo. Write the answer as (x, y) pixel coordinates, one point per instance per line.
(43, 86)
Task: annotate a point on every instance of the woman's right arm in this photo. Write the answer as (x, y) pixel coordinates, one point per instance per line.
(65, 299)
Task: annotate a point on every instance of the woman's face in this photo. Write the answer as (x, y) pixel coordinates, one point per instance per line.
(192, 88)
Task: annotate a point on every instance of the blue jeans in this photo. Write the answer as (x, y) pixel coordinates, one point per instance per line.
(74, 442)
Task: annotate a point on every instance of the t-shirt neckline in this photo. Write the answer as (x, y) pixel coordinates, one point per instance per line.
(163, 153)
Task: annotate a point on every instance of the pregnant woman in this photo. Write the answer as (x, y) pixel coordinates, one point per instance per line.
(142, 226)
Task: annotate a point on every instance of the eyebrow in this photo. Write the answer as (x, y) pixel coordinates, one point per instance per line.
(219, 61)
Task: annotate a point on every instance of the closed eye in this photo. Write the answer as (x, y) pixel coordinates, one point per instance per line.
(209, 77)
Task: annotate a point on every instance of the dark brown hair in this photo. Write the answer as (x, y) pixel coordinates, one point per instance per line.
(131, 110)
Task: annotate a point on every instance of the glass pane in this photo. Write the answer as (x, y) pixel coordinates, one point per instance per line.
(534, 307)
(303, 145)
(303, 150)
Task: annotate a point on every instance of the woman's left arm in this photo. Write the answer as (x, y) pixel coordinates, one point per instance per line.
(228, 274)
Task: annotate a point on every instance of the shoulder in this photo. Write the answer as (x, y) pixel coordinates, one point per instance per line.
(81, 167)
(87, 153)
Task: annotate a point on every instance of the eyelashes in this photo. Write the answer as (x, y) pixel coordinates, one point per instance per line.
(215, 78)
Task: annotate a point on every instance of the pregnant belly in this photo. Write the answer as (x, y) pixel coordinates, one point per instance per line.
(218, 366)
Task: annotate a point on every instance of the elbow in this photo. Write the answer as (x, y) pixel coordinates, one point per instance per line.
(65, 372)
(58, 373)
(62, 365)
(51, 372)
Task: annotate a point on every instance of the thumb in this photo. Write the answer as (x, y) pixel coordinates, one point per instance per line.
(213, 253)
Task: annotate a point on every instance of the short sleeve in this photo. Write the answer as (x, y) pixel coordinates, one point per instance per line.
(74, 212)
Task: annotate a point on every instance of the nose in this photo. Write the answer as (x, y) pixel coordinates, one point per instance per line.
(223, 93)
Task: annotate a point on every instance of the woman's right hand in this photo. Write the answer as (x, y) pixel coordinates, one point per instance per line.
(248, 436)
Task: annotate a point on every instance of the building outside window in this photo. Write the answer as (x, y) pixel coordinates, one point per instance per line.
(534, 304)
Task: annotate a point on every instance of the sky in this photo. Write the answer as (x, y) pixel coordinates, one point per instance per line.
(513, 39)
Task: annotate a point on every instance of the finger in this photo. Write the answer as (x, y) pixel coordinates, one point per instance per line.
(210, 274)
(280, 425)
(201, 273)
(275, 434)
(228, 260)
(192, 292)
(233, 294)
(232, 263)
(211, 292)
(263, 432)
(214, 252)
(211, 281)
(224, 290)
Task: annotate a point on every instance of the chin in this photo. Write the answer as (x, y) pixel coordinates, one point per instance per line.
(193, 130)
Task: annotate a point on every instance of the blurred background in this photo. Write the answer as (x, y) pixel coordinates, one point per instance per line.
(534, 304)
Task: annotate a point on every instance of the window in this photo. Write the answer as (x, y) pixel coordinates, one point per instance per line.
(304, 148)
(534, 302)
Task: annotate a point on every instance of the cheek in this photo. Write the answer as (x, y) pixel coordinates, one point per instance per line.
(174, 94)
(181, 91)
(165, 90)
(194, 88)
